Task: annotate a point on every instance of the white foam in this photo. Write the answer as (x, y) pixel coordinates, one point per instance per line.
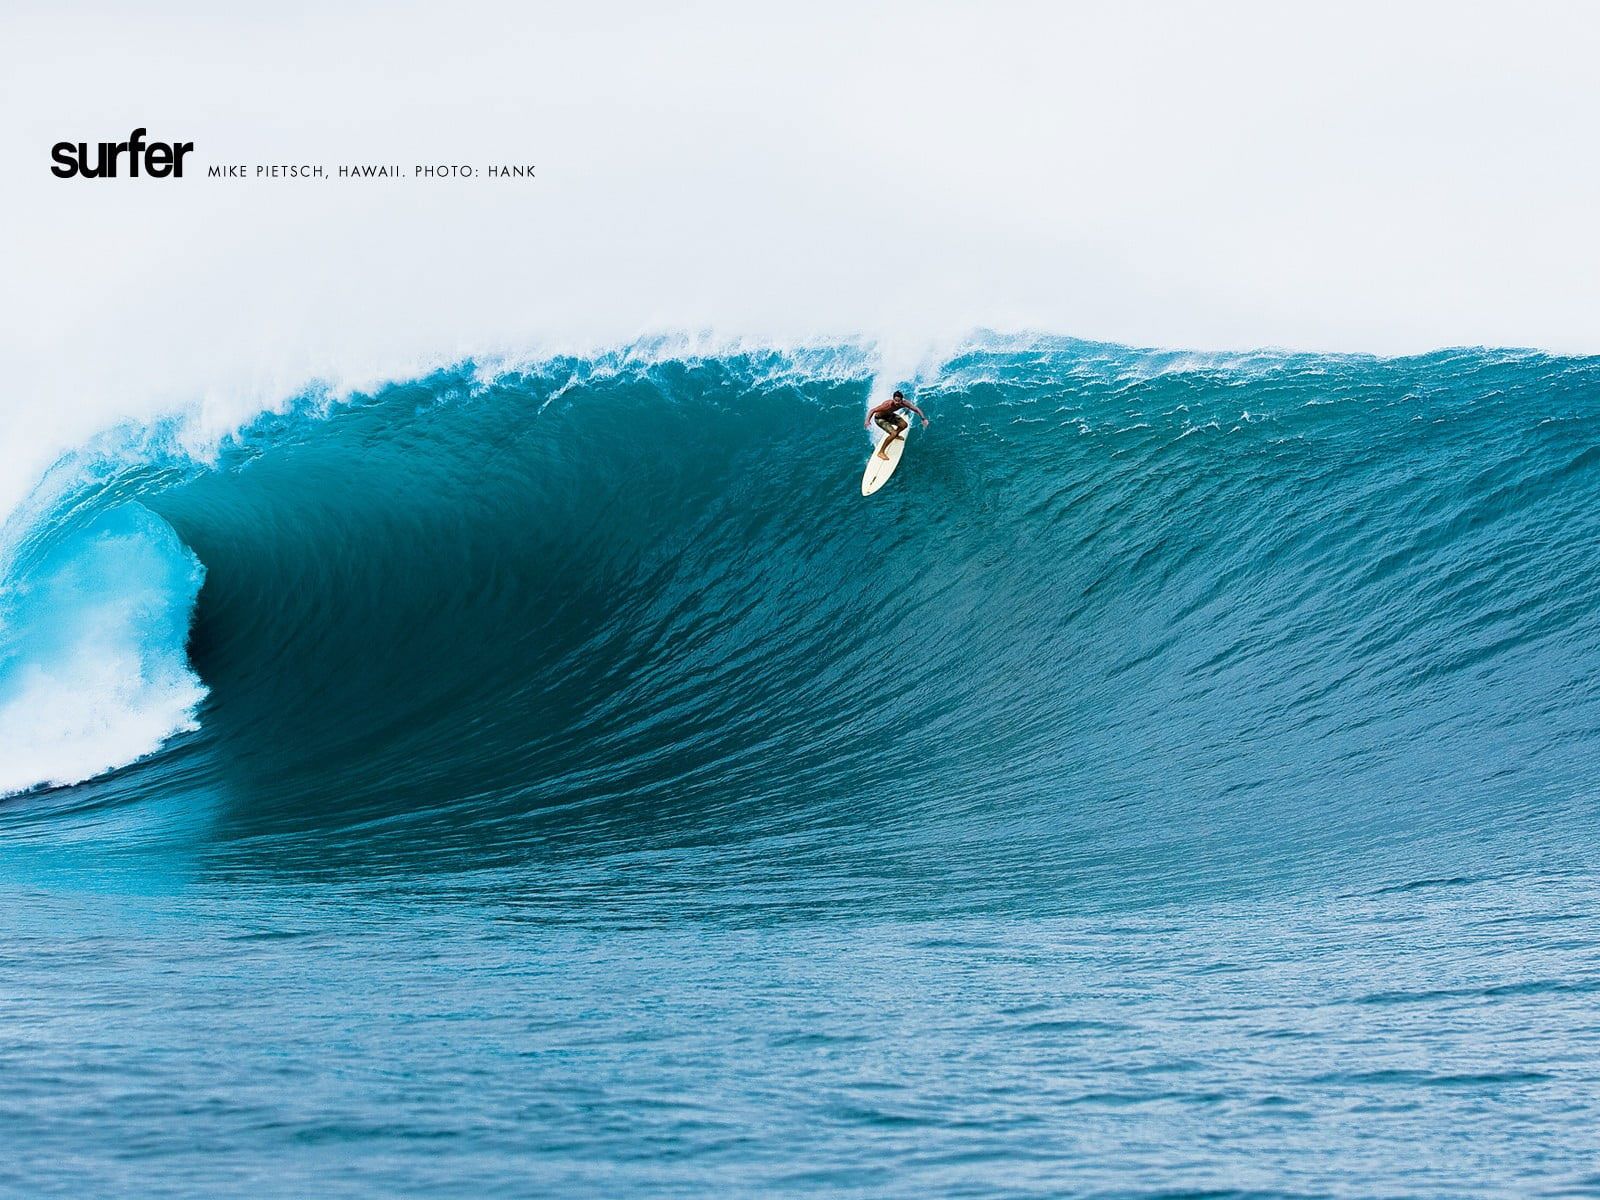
(93, 673)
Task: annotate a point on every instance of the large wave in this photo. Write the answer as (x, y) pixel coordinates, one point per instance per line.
(1218, 608)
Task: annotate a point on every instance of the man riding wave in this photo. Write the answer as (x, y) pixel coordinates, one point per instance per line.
(886, 416)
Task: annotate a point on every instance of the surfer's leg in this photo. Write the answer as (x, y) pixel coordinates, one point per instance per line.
(894, 436)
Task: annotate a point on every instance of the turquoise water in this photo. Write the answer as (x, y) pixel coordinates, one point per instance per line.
(1181, 779)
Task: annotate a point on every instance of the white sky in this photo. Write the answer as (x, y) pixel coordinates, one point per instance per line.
(1384, 177)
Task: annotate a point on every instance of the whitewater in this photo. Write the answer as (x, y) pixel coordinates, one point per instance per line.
(473, 776)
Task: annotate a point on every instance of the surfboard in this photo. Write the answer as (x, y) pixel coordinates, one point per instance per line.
(879, 469)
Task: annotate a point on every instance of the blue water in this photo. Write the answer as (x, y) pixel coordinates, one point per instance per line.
(1183, 778)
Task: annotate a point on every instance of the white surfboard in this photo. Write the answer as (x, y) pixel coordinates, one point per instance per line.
(879, 469)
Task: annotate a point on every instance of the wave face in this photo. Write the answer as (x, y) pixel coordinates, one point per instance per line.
(1344, 595)
(617, 640)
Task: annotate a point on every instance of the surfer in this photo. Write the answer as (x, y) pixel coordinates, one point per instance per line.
(887, 418)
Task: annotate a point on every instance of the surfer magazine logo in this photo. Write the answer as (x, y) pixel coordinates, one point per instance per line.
(138, 157)
(159, 160)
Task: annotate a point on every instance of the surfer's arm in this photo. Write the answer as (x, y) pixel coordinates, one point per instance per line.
(918, 411)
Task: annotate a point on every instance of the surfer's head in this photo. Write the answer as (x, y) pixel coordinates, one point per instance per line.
(899, 395)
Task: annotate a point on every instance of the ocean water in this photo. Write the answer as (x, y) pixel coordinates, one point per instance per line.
(555, 779)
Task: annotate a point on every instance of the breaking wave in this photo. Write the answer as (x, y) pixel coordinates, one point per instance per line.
(1211, 614)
